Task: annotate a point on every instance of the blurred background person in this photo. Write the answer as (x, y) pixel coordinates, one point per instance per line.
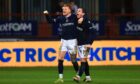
(74, 7)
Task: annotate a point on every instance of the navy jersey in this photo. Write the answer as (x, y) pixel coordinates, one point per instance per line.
(85, 33)
(67, 24)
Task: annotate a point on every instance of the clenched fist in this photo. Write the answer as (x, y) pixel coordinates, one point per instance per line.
(80, 20)
(46, 12)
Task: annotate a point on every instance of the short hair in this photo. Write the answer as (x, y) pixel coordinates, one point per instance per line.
(67, 5)
(84, 11)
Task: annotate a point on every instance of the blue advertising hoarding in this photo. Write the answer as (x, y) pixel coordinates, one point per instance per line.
(130, 28)
(99, 27)
(18, 28)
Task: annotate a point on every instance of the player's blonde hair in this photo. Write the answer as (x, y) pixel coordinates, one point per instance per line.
(68, 5)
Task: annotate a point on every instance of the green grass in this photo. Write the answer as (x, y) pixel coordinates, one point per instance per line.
(47, 75)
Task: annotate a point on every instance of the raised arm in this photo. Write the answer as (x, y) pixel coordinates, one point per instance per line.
(49, 18)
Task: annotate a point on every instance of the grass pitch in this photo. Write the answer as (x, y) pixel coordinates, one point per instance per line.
(47, 75)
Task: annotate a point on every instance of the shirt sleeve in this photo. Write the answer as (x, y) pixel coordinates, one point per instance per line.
(52, 20)
(91, 31)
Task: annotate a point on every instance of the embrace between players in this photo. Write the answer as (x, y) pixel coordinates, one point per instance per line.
(76, 34)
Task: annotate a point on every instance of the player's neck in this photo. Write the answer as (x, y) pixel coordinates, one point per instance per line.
(68, 15)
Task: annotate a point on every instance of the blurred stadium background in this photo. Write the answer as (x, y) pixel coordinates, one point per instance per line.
(115, 57)
(110, 13)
